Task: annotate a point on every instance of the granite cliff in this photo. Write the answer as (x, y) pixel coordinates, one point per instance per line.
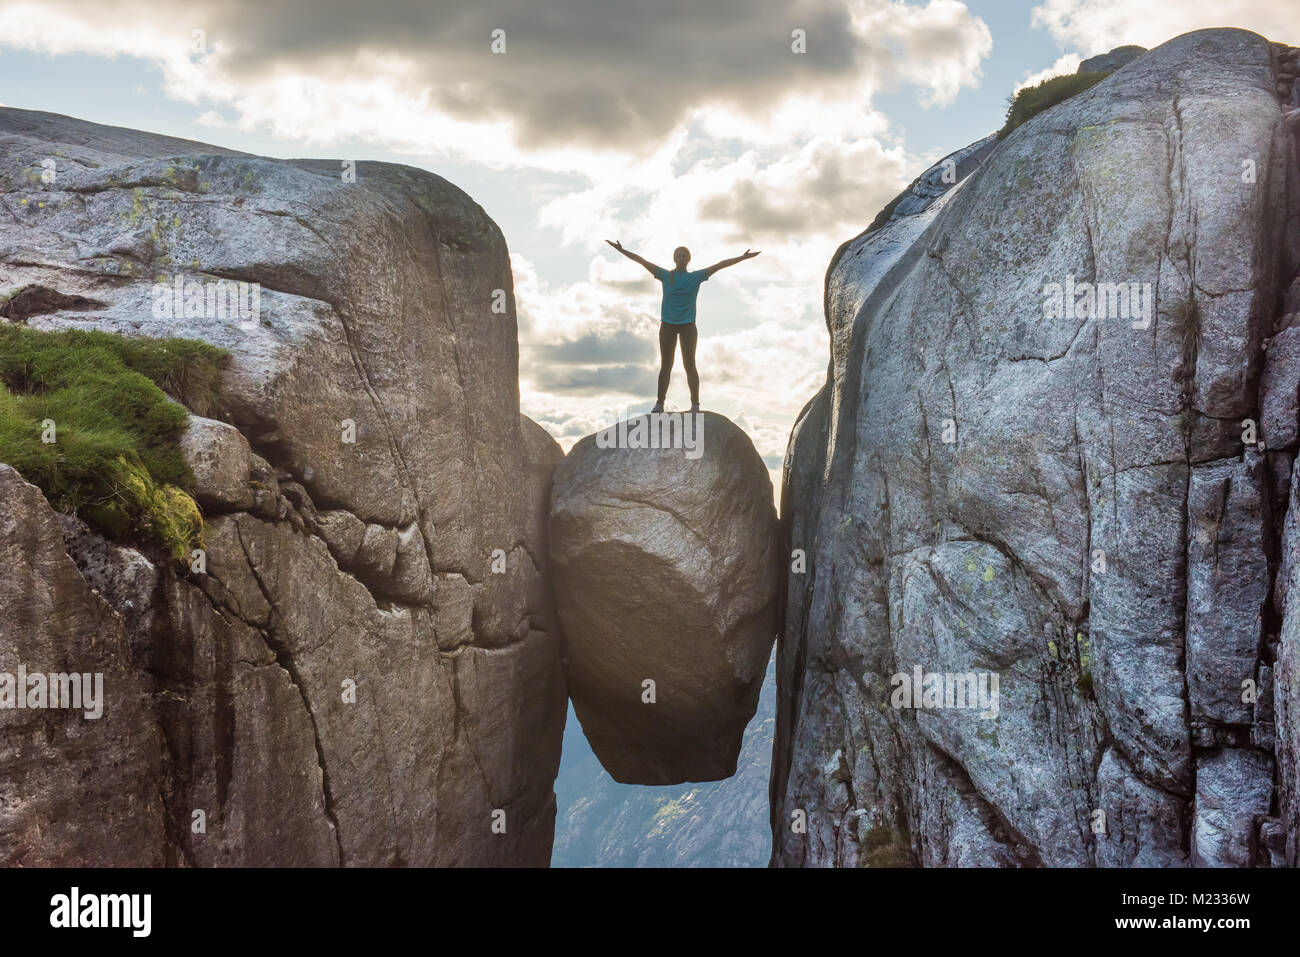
(362, 667)
(1054, 453)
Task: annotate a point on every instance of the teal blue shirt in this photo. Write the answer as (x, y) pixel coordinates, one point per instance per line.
(680, 289)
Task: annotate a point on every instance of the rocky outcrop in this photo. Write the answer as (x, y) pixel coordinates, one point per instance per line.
(665, 572)
(1068, 504)
(362, 668)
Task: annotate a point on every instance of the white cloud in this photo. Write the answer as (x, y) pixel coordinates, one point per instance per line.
(1096, 26)
(828, 186)
(737, 156)
(344, 73)
(938, 47)
(1069, 63)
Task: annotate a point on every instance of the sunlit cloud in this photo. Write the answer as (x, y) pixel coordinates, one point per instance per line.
(706, 128)
(1096, 26)
(1065, 64)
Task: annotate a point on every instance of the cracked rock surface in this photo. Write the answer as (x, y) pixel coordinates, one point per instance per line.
(1071, 504)
(352, 678)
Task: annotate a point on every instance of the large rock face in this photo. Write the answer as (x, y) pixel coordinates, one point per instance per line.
(665, 574)
(1068, 501)
(366, 671)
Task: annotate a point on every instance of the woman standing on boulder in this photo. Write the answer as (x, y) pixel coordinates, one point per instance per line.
(677, 315)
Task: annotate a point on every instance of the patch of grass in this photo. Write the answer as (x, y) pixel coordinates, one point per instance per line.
(1084, 684)
(1032, 100)
(116, 459)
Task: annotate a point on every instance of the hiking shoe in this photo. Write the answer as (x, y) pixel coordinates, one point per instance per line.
(659, 407)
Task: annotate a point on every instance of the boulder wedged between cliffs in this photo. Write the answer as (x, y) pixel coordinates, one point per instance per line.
(663, 551)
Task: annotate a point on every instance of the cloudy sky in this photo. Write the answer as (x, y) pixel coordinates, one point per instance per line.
(679, 122)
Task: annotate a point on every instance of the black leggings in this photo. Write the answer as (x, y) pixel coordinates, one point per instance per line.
(668, 333)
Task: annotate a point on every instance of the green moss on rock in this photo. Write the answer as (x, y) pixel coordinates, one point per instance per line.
(115, 460)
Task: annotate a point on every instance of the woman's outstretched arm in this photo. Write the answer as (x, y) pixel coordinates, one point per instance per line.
(731, 262)
(654, 270)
